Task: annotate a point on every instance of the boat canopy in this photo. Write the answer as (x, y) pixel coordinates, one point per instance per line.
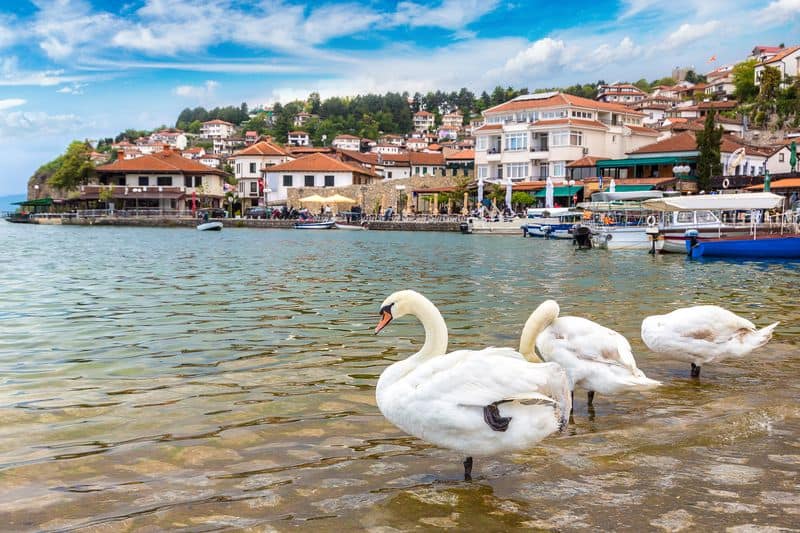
(717, 202)
(41, 202)
(626, 196)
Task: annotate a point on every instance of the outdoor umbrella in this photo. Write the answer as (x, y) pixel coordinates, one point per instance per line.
(339, 199)
(766, 182)
(548, 193)
(480, 190)
(313, 199)
(793, 156)
(612, 187)
(509, 188)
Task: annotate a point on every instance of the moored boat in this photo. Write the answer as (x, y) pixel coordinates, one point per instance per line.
(210, 226)
(315, 225)
(345, 226)
(554, 223)
(770, 246)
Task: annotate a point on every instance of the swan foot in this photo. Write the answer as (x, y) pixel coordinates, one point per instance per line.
(492, 417)
(695, 370)
(590, 397)
(468, 469)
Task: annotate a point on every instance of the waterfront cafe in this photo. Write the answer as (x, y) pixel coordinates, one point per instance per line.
(432, 199)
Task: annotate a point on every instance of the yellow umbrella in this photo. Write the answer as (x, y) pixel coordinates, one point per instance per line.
(339, 199)
(313, 199)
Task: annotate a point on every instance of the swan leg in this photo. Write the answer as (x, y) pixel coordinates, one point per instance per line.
(590, 397)
(492, 417)
(695, 370)
(468, 469)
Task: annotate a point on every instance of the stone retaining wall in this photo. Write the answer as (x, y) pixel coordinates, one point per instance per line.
(380, 225)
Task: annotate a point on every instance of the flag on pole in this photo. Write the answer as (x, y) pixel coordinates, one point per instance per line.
(712, 58)
(227, 187)
(260, 185)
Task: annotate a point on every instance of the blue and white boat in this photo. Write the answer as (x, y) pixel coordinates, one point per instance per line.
(769, 246)
(315, 225)
(553, 223)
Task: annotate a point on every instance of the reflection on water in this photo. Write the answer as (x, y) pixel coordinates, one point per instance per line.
(178, 379)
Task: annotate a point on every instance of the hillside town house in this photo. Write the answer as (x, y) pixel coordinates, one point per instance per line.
(250, 137)
(383, 148)
(176, 139)
(316, 170)
(423, 121)
(164, 180)
(217, 129)
(787, 61)
(447, 133)
(416, 144)
(251, 164)
(426, 164)
(210, 160)
(453, 120)
(347, 142)
(535, 136)
(299, 138)
(227, 146)
(396, 166)
(303, 118)
(620, 93)
(720, 83)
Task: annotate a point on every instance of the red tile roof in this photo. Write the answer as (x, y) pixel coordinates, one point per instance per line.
(788, 183)
(422, 114)
(426, 158)
(781, 55)
(560, 99)
(487, 127)
(586, 161)
(461, 155)
(217, 121)
(366, 158)
(683, 142)
(319, 163)
(299, 132)
(346, 136)
(642, 130)
(398, 158)
(262, 148)
(166, 161)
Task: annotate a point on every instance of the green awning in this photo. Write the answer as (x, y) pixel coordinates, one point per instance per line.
(559, 191)
(632, 188)
(642, 161)
(41, 202)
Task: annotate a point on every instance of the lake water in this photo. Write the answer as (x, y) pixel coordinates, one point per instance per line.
(174, 379)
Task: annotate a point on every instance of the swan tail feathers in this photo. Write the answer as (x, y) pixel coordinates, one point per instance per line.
(542, 316)
(643, 383)
(764, 335)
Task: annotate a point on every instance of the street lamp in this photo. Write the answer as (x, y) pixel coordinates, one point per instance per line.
(570, 185)
(681, 171)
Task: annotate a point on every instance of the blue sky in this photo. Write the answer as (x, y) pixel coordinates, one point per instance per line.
(74, 69)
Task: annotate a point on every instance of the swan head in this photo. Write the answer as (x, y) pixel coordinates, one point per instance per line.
(396, 305)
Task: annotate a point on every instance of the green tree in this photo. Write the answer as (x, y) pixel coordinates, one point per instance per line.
(75, 169)
(194, 126)
(709, 162)
(522, 199)
(770, 83)
(744, 80)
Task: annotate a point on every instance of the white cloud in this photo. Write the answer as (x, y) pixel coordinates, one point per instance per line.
(198, 92)
(538, 58)
(11, 75)
(606, 54)
(780, 11)
(449, 14)
(17, 124)
(65, 25)
(11, 102)
(75, 88)
(689, 33)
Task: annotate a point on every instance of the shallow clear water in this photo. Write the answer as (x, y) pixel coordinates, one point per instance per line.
(169, 378)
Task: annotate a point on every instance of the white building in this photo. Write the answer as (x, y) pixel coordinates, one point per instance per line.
(620, 93)
(787, 61)
(396, 166)
(778, 161)
(212, 161)
(416, 144)
(423, 121)
(217, 129)
(176, 139)
(347, 142)
(251, 164)
(719, 82)
(315, 170)
(453, 120)
(299, 138)
(534, 136)
(226, 146)
(386, 149)
(447, 133)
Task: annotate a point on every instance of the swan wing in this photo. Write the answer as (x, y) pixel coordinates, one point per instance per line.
(698, 329)
(575, 337)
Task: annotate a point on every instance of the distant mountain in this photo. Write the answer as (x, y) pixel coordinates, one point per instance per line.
(6, 201)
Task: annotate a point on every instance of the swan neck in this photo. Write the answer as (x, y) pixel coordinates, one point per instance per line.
(435, 328)
(541, 318)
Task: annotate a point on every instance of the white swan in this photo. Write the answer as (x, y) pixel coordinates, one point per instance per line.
(595, 358)
(703, 334)
(476, 402)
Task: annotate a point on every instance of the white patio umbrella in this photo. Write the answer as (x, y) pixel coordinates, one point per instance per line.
(612, 187)
(480, 191)
(548, 193)
(509, 187)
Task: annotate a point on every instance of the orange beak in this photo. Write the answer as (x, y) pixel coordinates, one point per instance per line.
(386, 317)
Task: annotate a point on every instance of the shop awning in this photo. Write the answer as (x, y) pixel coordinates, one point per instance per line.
(41, 202)
(559, 191)
(633, 188)
(637, 162)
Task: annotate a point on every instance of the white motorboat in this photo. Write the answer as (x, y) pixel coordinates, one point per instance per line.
(713, 216)
(555, 223)
(315, 225)
(210, 226)
(346, 226)
(500, 226)
(619, 221)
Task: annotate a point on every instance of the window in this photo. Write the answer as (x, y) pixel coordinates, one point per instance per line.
(582, 114)
(559, 169)
(252, 168)
(576, 138)
(198, 181)
(417, 171)
(481, 143)
(329, 181)
(546, 115)
(254, 187)
(544, 170)
(516, 141)
(559, 138)
(516, 171)
(164, 181)
(287, 181)
(780, 157)
(144, 181)
(424, 170)
(685, 217)
(389, 175)
(309, 181)
(238, 169)
(483, 171)
(187, 181)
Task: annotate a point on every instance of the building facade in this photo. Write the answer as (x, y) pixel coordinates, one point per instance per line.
(316, 170)
(251, 164)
